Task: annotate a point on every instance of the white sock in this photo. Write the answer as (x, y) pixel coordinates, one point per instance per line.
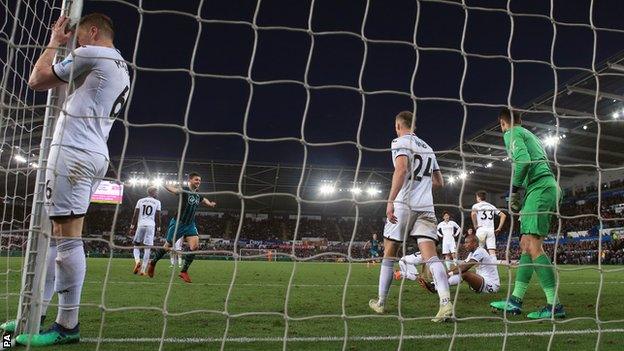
(137, 254)
(48, 289)
(173, 258)
(385, 279)
(440, 279)
(146, 256)
(71, 266)
(454, 279)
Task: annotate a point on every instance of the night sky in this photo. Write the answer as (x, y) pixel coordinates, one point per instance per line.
(218, 105)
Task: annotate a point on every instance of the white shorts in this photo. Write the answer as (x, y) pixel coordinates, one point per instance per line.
(448, 247)
(486, 237)
(416, 224)
(490, 286)
(145, 235)
(72, 176)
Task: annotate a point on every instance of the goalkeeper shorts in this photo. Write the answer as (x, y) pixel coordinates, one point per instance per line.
(540, 202)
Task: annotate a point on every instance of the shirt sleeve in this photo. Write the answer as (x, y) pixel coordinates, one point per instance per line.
(519, 155)
(158, 206)
(138, 205)
(477, 255)
(399, 148)
(434, 166)
(78, 62)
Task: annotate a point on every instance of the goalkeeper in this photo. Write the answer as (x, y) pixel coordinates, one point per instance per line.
(531, 172)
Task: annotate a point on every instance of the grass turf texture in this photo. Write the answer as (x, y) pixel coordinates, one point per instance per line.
(196, 320)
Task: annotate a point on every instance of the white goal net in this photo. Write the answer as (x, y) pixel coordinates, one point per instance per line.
(302, 85)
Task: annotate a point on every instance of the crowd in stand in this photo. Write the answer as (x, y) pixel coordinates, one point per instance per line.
(339, 235)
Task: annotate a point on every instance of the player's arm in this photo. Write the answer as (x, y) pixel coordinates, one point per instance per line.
(521, 163)
(367, 244)
(43, 76)
(398, 177)
(135, 218)
(462, 267)
(502, 217)
(473, 216)
(437, 180)
(456, 229)
(208, 203)
(173, 189)
(440, 234)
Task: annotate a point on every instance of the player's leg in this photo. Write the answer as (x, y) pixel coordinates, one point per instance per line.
(407, 267)
(76, 176)
(139, 236)
(173, 232)
(425, 233)
(147, 241)
(475, 281)
(178, 254)
(490, 243)
(192, 240)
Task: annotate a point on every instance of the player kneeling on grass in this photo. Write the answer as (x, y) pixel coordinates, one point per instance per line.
(184, 226)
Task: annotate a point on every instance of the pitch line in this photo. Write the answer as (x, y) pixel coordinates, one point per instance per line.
(246, 340)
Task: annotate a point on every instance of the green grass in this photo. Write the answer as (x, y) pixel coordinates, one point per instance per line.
(128, 308)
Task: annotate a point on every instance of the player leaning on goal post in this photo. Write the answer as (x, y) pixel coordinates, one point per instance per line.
(531, 172)
(410, 210)
(78, 157)
(184, 226)
(145, 223)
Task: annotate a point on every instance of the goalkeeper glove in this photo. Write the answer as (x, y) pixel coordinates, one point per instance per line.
(514, 199)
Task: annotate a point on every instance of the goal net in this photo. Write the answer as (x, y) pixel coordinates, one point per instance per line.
(311, 89)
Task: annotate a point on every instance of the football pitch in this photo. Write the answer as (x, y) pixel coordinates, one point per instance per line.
(320, 309)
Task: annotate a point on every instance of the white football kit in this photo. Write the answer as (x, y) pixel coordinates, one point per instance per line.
(413, 205)
(146, 224)
(487, 269)
(448, 231)
(485, 222)
(78, 157)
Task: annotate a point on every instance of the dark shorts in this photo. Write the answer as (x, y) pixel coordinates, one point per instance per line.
(183, 230)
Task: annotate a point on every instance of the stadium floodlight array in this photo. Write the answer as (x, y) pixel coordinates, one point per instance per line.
(24, 31)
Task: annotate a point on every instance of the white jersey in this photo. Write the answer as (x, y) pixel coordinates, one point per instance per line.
(485, 214)
(448, 230)
(416, 189)
(101, 84)
(147, 207)
(487, 267)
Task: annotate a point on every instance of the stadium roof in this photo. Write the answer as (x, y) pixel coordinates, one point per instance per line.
(580, 117)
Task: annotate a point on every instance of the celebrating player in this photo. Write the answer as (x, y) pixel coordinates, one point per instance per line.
(146, 213)
(483, 220)
(410, 210)
(78, 156)
(531, 172)
(185, 226)
(448, 230)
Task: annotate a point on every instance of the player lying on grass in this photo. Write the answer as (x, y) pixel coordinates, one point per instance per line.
(531, 172)
(184, 226)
